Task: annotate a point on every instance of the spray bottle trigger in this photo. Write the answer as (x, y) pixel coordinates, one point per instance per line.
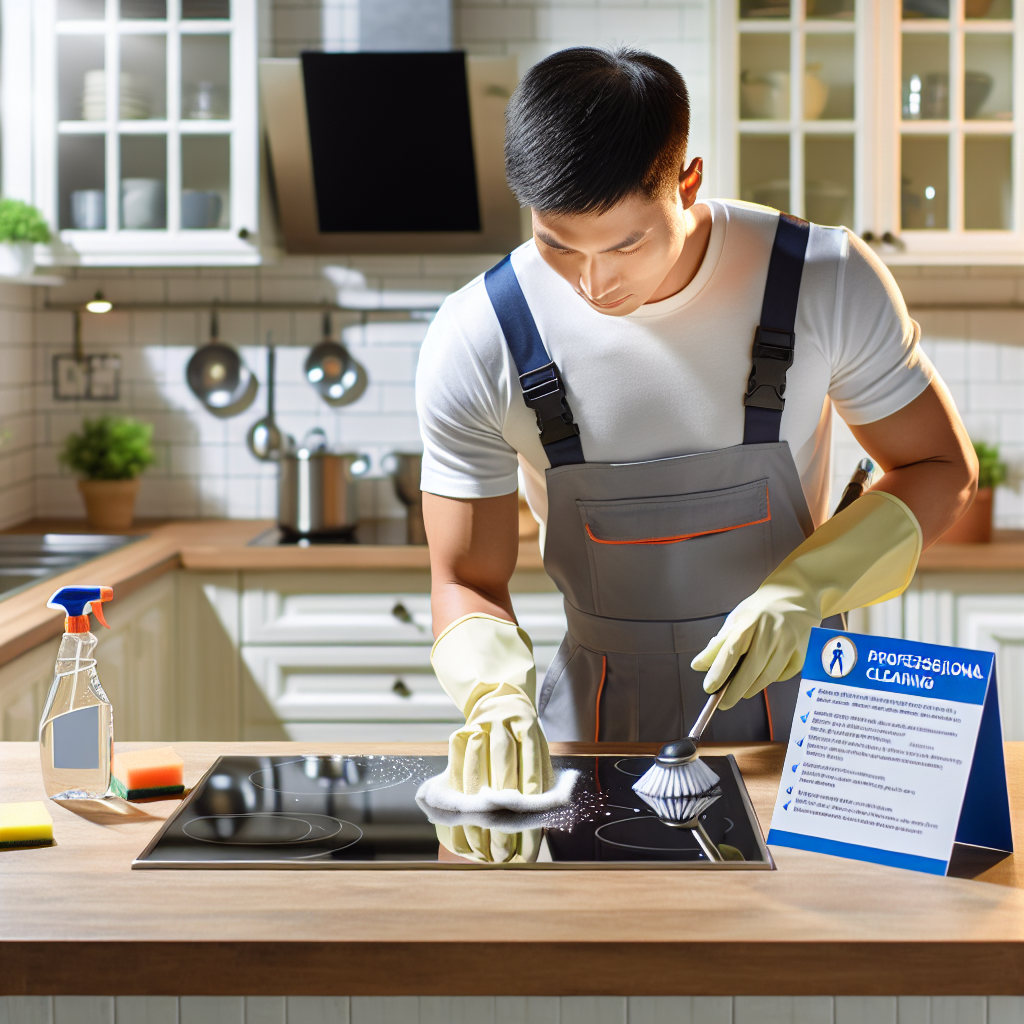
(97, 610)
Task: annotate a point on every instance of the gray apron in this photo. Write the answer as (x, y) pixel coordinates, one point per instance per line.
(651, 556)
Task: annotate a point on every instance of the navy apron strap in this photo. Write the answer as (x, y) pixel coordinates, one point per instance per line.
(774, 339)
(543, 390)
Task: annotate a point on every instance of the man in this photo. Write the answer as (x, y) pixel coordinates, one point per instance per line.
(663, 372)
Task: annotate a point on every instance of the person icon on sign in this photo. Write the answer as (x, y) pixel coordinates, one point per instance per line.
(837, 655)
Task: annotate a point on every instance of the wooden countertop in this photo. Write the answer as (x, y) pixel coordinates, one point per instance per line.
(223, 545)
(75, 919)
(201, 544)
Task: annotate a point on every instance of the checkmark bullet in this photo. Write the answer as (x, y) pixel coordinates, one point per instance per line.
(795, 767)
(785, 806)
(811, 690)
(789, 789)
(803, 718)
(800, 742)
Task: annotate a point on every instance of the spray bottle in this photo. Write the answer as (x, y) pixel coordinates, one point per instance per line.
(76, 732)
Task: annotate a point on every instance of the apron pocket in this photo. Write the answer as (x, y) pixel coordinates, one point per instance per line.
(678, 556)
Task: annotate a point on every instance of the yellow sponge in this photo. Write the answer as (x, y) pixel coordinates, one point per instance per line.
(25, 824)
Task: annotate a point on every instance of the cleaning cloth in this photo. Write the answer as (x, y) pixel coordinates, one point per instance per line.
(437, 793)
(25, 824)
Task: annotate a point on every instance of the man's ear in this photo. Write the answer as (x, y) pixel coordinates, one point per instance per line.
(690, 178)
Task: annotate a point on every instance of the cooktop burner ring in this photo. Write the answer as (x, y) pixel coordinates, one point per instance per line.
(396, 774)
(193, 829)
(646, 761)
(667, 848)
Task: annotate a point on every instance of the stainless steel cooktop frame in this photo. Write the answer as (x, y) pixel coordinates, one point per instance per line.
(767, 864)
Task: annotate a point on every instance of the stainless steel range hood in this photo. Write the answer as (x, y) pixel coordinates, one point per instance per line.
(489, 83)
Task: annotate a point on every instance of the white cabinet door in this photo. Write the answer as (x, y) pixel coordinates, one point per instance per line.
(295, 616)
(271, 616)
(348, 684)
(137, 661)
(986, 622)
(900, 119)
(995, 622)
(24, 685)
(143, 146)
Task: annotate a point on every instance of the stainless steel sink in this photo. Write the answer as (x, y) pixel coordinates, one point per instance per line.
(28, 558)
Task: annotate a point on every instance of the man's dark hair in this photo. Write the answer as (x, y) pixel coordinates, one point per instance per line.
(587, 127)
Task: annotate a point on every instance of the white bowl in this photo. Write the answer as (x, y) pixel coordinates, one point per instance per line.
(765, 96)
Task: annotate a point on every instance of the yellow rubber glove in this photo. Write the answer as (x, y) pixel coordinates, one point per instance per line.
(488, 845)
(865, 554)
(486, 666)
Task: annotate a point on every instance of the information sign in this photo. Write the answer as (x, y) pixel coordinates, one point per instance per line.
(896, 752)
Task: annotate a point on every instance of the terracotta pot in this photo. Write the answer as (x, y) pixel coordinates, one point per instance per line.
(109, 504)
(975, 525)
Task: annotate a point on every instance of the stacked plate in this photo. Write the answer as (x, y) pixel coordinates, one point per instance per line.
(134, 104)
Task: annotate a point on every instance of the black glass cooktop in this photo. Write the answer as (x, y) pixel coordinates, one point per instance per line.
(361, 811)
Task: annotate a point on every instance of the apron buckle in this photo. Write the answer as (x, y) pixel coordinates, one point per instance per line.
(544, 392)
(773, 356)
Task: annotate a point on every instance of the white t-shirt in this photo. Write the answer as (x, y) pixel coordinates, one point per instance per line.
(668, 379)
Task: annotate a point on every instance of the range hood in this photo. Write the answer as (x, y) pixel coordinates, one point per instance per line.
(390, 152)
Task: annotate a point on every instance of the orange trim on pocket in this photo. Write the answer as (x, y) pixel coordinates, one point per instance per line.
(597, 703)
(685, 536)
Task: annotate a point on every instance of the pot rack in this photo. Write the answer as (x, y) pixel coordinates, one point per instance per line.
(241, 307)
(410, 314)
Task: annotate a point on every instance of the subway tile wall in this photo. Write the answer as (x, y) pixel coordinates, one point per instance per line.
(17, 428)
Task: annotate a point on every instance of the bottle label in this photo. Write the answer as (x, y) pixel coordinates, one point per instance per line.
(76, 739)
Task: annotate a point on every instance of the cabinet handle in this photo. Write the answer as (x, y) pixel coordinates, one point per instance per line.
(868, 236)
(403, 614)
(894, 240)
(401, 689)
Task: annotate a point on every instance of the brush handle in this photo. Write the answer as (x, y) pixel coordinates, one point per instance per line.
(705, 716)
(712, 703)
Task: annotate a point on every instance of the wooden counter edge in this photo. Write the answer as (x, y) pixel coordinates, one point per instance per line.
(528, 967)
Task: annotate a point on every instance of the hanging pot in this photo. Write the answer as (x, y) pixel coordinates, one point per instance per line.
(218, 377)
(337, 377)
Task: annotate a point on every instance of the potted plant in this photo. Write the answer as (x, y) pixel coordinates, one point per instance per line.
(975, 525)
(109, 453)
(21, 227)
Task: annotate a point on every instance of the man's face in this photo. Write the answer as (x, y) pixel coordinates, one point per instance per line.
(615, 260)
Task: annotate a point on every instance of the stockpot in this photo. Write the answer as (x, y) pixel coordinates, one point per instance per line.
(316, 491)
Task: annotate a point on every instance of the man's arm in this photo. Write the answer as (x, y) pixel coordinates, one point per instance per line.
(927, 457)
(474, 545)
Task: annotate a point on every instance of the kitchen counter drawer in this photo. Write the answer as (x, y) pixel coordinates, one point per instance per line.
(353, 683)
(286, 616)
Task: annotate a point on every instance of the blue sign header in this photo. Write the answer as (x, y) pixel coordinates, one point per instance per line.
(898, 666)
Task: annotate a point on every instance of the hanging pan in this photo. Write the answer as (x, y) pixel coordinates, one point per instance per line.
(337, 377)
(218, 377)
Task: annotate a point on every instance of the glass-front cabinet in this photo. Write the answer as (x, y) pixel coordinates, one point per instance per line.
(901, 122)
(145, 129)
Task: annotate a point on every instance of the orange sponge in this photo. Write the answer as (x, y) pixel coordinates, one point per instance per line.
(148, 774)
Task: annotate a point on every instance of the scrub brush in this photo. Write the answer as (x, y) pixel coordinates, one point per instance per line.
(677, 772)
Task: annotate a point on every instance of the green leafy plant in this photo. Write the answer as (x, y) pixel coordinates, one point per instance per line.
(991, 469)
(20, 222)
(109, 448)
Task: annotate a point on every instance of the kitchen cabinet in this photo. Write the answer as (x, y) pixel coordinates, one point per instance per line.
(24, 684)
(139, 137)
(982, 611)
(898, 121)
(346, 657)
(137, 662)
